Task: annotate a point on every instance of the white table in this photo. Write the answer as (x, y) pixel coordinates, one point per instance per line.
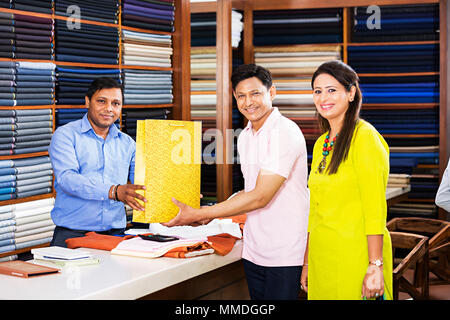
(115, 277)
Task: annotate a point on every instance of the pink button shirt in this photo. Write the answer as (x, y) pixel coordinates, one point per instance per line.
(276, 234)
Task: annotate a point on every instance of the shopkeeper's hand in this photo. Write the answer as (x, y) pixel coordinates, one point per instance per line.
(128, 195)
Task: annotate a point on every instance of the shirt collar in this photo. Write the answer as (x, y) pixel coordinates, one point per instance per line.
(86, 126)
(269, 123)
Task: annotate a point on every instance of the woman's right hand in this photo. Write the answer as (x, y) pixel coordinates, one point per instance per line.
(304, 278)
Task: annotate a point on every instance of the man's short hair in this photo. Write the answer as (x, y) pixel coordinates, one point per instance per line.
(103, 83)
(247, 71)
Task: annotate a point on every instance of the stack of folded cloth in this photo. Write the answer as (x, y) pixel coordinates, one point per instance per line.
(146, 87)
(41, 6)
(26, 224)
(295, 60)
(398, 180)
(397, 23)
(6, 4)
(146, 49)
(26, 37)
(88, 44)
(21, 178)
(394, 58)
(7, 36)
(98, 10)
(131, 116)
(28, 84)
(400, 89)
(398, 124)
(73, 83)
(35, 83)
(203, 29)
(64, 116)
(297, 26)
(153, 15)
(25, 131)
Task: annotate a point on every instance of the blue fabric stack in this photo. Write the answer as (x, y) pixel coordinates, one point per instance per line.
(25, 131)
(21, 178)
(72, 83)
(297, 26)
(98, 10)
(397, 23)
(88, 44)
(29, 84)
(394, 58)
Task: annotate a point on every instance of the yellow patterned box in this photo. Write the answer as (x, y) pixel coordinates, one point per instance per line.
(168, 160)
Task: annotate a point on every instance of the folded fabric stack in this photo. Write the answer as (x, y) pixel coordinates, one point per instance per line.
(35, 83)
(295, 60)
(98, 10)
(64, 116)
(6, 4)
(26, 37)
(21, 178)
(73, 83)
(25, 225)
(145, 87)
(297, 26)
(400, 89)
(146, 49)
(28, 84)
(203, 29)
(145, 14)
(405, 122)
(25, 131)
(130, 117)
(41, 6)
(397, 23)
(7, 36)
(398, 180)
(87, 44)
(394, 58)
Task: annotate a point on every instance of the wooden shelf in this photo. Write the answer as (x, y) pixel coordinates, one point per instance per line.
(32, 198)
(27, 107)
(145, 30)
(23, 156)
(28, 249)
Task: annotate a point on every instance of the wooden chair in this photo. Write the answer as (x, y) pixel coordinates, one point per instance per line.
(416, 258)
(438, 232)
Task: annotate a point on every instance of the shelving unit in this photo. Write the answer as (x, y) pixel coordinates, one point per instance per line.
(180, 69)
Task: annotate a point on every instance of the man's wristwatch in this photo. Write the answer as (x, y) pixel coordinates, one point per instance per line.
(377, 263)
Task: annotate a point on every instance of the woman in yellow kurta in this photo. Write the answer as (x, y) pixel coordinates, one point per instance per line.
(349, 252)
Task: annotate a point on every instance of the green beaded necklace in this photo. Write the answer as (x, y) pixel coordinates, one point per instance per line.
(326, 151)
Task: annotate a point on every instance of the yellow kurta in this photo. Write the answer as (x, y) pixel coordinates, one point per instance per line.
(344, 208)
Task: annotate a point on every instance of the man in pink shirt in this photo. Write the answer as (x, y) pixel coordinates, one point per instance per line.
(273, 160)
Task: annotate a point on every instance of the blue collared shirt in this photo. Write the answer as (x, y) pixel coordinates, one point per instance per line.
(85, 167)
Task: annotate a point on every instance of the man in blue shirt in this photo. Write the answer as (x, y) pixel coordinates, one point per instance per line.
(92, 162)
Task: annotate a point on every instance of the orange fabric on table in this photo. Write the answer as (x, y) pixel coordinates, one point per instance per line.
(96, 241)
